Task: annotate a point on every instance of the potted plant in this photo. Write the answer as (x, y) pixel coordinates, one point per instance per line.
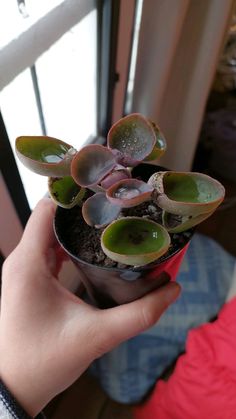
(125, 222)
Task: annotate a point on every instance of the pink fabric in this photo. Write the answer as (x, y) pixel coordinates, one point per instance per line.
(203, 385)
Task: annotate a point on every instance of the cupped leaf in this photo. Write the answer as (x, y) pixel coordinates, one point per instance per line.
(159, 148)
(114, 177)
(182, 223)
(98, 211)
(129, 193)
(187, 193)
(65, 192)
(133, 137)
(134, 241)
(91, 164)
(45, 155)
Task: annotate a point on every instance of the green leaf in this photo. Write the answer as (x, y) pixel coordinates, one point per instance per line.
(65, 192)
(183, 223)
(159, 148)
(134, 241)
(187, 193)
(45, 155)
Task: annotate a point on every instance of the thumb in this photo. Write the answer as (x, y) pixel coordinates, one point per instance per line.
(123, 322)
(38, 235)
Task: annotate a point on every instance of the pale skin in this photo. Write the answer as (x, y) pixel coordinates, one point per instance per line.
(48, 336)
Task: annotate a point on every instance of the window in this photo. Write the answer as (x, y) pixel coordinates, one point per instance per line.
(56, 95)
(59, 76)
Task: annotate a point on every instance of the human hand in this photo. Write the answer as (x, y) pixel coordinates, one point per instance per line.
(48, 336)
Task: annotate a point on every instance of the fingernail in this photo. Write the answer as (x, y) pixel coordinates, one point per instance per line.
(48, 199)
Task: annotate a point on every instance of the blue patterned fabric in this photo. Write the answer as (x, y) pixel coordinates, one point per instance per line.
(128, 372)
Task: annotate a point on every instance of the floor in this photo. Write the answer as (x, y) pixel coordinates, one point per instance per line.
(85, 399)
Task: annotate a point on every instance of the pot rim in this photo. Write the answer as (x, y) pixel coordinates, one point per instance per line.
(149, 266)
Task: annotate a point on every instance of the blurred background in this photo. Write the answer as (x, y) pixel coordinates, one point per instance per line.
(70, 68)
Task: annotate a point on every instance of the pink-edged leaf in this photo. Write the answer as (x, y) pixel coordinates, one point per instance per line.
(129, 193)
(182, 223)
(98, 211)
(134, 241)
(65, 192)
(133, 137)
(91, 164)
(156, 181)
(45, 155)
(114, 177)
(184, 193)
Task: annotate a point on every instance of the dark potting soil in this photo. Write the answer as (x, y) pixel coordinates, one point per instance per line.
(83, 241)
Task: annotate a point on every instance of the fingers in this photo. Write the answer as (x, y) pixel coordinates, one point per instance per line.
(123, 322)
(38, 235)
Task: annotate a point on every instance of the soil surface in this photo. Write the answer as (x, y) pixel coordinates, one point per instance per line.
(84, 241)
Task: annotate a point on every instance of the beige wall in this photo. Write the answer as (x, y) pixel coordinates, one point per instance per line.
(179, 47)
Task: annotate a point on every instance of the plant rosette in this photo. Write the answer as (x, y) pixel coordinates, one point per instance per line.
(134, 218)
(114, 283)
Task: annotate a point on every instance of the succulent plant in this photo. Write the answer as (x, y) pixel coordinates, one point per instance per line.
(185, 199)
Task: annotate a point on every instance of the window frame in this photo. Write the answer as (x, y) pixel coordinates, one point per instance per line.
(11, 176)
(108, 26)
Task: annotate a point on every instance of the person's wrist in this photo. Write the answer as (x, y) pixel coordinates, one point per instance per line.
(26, 394)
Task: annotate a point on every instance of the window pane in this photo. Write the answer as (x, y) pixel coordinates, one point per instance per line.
(19, 111)
(67, 83)
(13, 23)
(133, 58)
